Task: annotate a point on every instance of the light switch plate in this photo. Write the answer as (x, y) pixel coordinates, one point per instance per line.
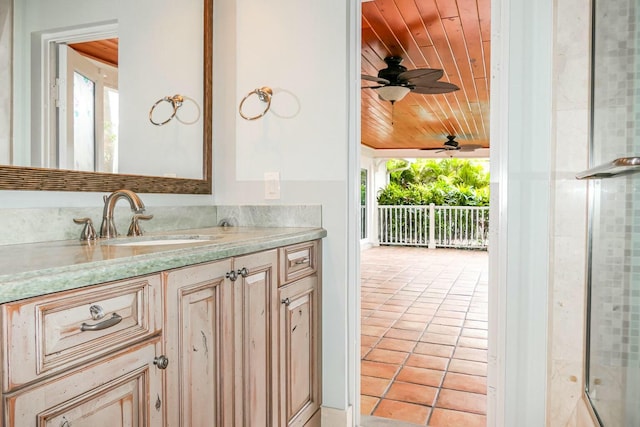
(272, 185)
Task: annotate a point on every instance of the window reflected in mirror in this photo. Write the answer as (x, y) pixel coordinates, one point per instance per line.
(87, 106)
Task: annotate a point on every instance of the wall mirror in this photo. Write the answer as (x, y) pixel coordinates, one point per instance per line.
(164, 48)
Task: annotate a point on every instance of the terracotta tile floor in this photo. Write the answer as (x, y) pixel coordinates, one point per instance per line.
(424, 336)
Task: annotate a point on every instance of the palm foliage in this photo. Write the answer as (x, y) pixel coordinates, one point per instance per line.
(446, 182)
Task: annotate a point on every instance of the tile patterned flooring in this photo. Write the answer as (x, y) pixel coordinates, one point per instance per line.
(424, 336)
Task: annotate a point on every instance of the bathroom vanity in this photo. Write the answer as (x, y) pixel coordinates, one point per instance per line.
(206, 327)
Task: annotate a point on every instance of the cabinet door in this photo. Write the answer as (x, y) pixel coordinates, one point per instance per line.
(299, 351)
(255, 366)
(121, 390)
(196, 329)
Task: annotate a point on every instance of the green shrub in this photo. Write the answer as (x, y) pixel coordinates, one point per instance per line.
(447, 182)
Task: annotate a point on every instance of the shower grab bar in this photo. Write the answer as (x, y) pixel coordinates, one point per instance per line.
(620, 166)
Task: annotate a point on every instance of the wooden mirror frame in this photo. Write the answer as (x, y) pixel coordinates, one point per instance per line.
(41, 179)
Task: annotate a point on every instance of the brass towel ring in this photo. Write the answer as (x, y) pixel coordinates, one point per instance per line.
(264, 94)
(176, 102)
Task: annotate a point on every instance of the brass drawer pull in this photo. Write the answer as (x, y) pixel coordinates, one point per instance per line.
(113, 320)
(301, 261)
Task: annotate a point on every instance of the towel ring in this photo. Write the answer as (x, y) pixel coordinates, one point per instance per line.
(264, 94)
(176, 102)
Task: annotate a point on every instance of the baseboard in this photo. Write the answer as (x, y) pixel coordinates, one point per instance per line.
(332, 417)
(369, 421)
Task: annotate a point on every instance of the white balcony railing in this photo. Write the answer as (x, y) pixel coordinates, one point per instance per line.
(434, 226)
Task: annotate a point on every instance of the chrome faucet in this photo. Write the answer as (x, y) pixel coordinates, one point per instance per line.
(108, 227)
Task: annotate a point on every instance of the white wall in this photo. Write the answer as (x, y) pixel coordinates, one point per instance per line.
(301, 49)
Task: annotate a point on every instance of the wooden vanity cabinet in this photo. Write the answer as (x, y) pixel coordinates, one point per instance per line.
(241, 337)
(299, 331)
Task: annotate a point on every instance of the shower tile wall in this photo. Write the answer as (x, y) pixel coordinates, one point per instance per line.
(615, 261)
(571, 76)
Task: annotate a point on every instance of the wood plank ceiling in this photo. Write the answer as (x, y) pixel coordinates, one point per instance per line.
(452, 35)
(105, 50)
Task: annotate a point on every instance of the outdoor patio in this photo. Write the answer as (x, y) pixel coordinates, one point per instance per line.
(424, 336)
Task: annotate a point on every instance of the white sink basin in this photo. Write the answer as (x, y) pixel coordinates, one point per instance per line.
(161, 241)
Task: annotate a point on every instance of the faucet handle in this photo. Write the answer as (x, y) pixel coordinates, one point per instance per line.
(88, 232)
(134, 228)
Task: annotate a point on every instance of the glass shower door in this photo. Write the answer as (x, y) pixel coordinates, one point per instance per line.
(613, 343)
(614, 305)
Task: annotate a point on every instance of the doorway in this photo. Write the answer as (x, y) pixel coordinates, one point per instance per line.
(445, 44)
(87, 110)
(53, 65)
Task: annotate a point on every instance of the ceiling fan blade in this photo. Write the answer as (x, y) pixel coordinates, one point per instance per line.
(441, 149)
(374, 79)
(419, 81)
(371, 87)
(435, 88)
(428, 74)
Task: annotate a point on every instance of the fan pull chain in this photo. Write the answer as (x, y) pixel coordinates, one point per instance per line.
(393, 109)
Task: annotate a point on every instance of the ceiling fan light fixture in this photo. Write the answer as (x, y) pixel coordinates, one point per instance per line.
(392, 93)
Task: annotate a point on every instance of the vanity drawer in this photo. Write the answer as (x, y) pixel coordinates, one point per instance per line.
(297, 261)
(120, 390)
(45, 335)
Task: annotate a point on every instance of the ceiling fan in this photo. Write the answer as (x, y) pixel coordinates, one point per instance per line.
(395, 81)
(452, 145)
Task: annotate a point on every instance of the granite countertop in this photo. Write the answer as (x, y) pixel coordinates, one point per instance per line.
(34, 269)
